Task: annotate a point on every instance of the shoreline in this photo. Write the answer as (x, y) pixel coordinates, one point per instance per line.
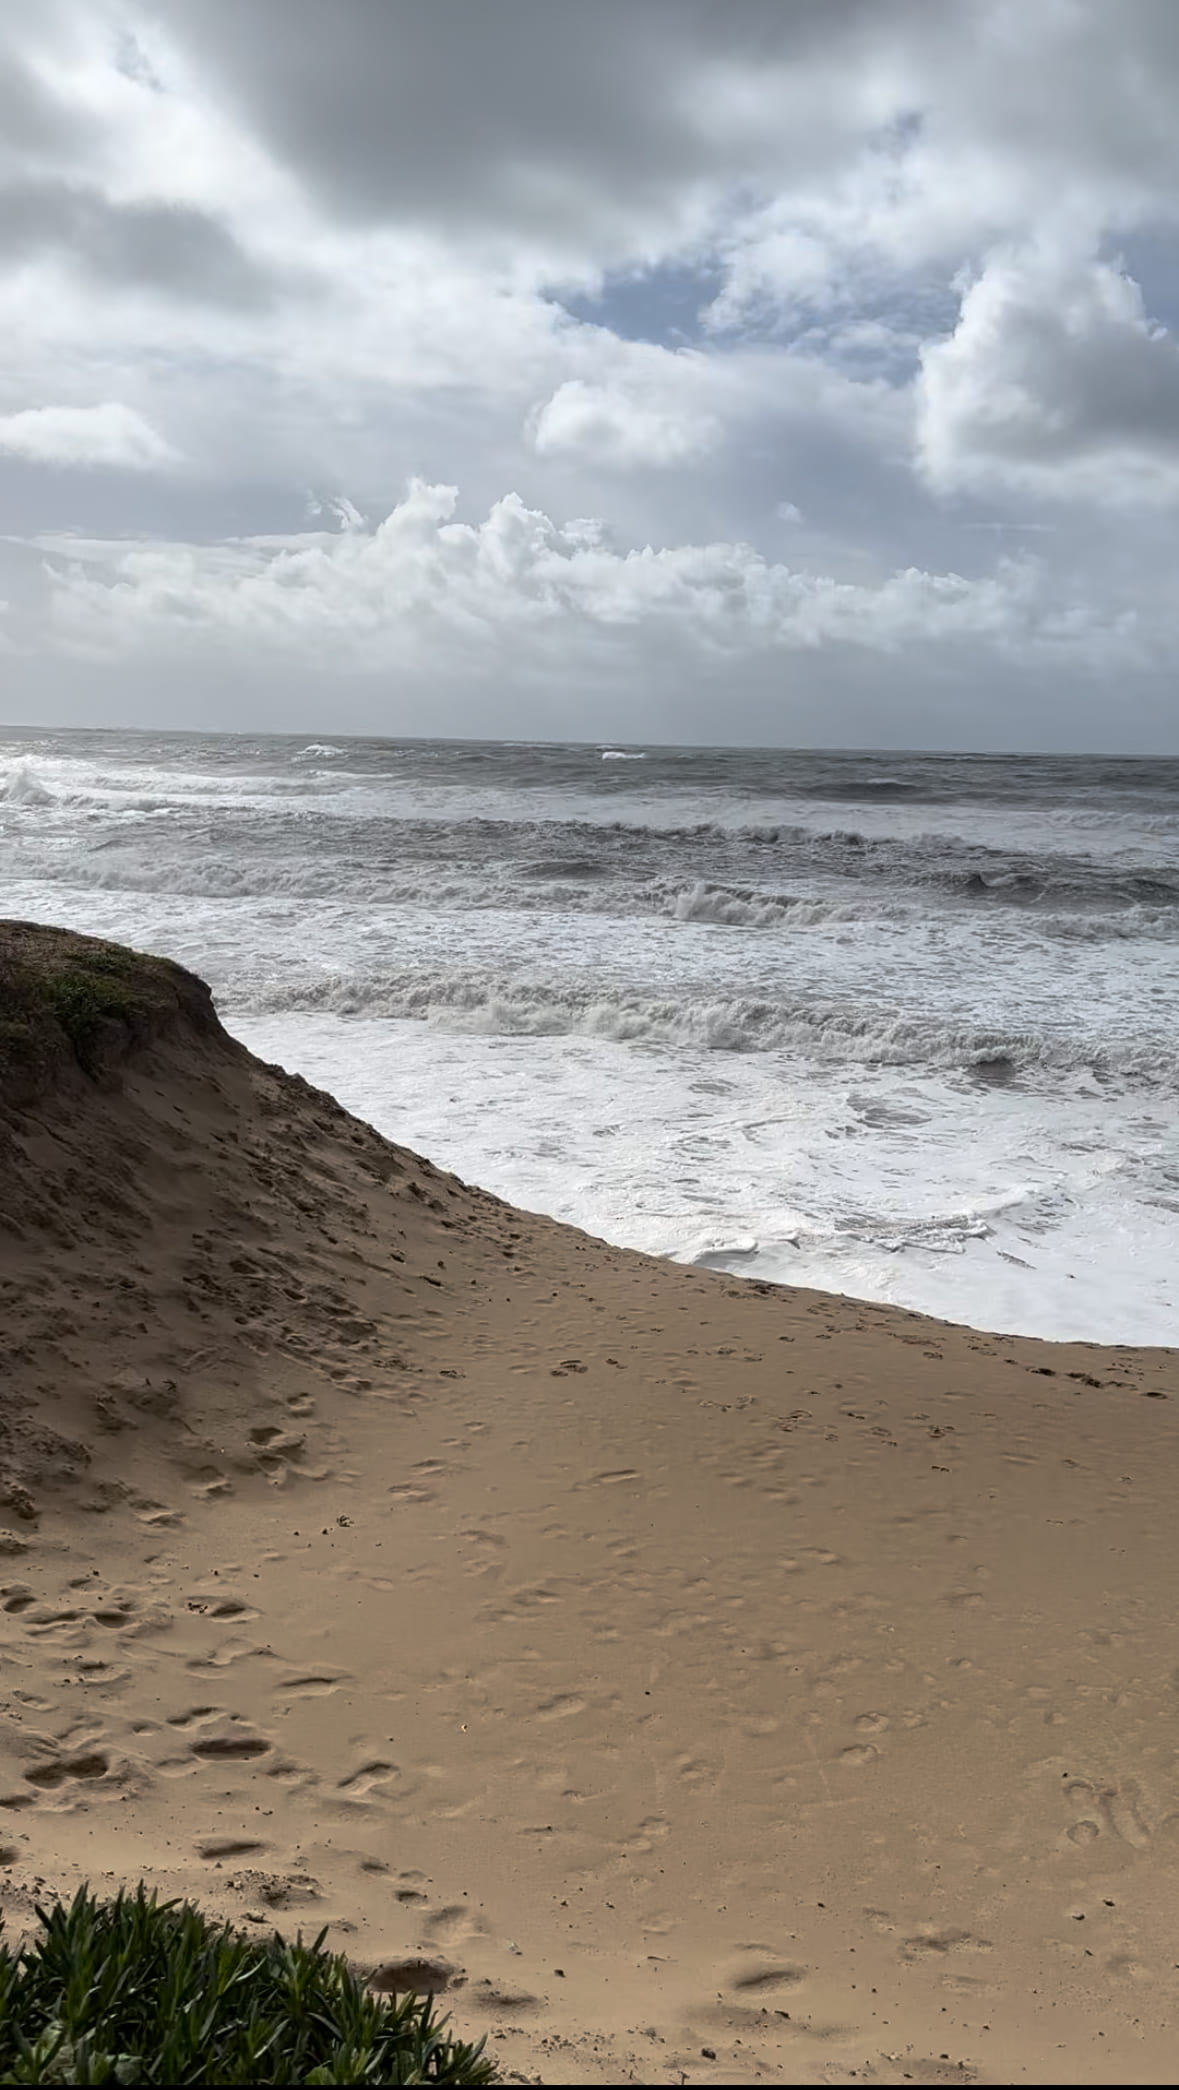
(728, 1682)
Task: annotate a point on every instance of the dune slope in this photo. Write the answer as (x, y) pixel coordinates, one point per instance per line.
(698, 1680)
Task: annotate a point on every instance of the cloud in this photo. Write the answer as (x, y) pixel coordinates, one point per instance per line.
(109, 435)
(1053, 382)
(518, 594)
(583, 134)
(839, 277)
(170, 248)
(605, 425)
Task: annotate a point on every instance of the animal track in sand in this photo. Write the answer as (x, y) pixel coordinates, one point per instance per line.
(858, 1753)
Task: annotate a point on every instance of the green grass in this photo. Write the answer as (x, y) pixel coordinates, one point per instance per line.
(78, 997)
(138, 1991)
(84, 1000)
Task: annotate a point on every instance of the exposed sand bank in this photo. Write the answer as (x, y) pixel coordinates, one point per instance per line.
(689, 1664)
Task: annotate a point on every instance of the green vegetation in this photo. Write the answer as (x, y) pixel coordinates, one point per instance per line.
(137, 1991)
(92, 994)
(76, 998)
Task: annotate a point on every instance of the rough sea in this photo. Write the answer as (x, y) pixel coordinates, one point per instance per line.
(899, 1026)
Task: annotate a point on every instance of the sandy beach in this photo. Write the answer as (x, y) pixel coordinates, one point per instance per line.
(698, 1680)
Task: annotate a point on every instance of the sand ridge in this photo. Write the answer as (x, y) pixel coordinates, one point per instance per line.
(703, 1681)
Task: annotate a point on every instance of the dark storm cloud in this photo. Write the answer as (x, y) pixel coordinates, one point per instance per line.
(172, 249)
(553, 120)
(572, 123)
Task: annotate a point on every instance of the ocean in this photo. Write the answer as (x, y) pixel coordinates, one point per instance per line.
(902, 1026)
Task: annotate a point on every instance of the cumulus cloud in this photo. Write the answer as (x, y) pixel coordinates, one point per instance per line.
(109, 435)
(424, 589)
(603, 424)
(1055, 382)
(843, 276)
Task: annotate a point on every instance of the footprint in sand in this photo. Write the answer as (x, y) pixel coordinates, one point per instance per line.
(697, 1773)
(763, 1980)
(219, 1847)
(48, 1776)
(858, 1753)
(416, 1975)
(507, 2002)
(193, 1715)
(940, 1943)
(453, 1925)
(652, 1829)
(564, 1707)
(230, 1748)
(362, 1781)
(1116, 1809)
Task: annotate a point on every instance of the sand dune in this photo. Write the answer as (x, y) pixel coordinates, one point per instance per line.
(702, 1681)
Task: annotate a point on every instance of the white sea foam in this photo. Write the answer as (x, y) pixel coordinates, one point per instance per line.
(906, 1028)
(843, 1032)
(984, 1215)
(23, 787)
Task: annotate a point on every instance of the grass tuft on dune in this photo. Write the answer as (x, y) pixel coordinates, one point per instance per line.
(136, 1990)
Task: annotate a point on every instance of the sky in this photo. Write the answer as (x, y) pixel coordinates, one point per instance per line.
(784, 372)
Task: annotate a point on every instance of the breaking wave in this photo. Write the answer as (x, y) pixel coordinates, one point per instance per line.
(821, 1029)
(23, 787)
